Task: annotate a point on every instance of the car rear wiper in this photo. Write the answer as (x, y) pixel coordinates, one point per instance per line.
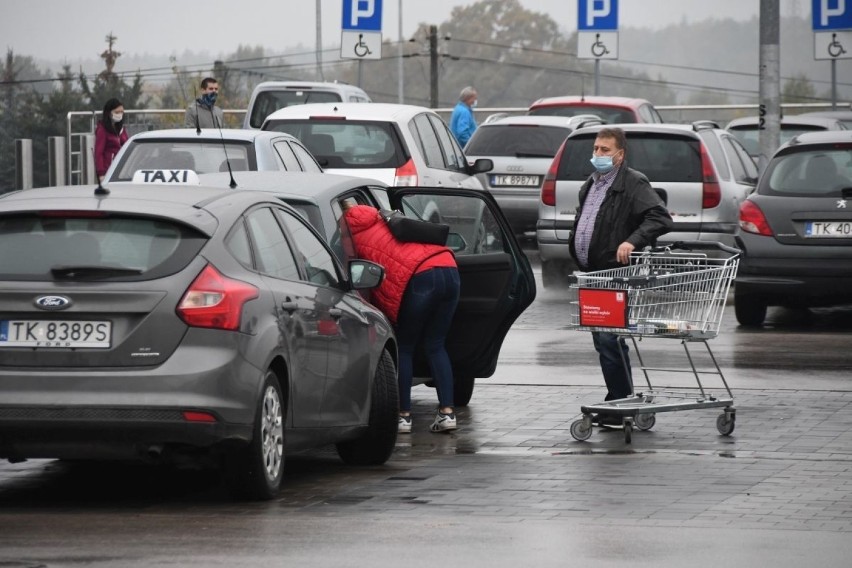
(91, 272)
(532, 155)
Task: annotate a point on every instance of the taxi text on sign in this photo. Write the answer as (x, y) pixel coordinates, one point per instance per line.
(361, 36)
(597, 25)
(832, 25)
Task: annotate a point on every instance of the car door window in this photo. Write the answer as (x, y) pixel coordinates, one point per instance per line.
(308, 162)
(453, 156)
(272, 253)
(318, 261)
(747, 161)
(237, 243)
(428, 141)
(737, 166)
(288, 159)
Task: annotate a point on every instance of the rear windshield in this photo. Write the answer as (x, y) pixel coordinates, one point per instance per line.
(521, 141)
(749, 135)
(663, 158)
(201, 157)
(346, 143)
(823, 171)
(610, 115)
(93, 247)
(268, 102)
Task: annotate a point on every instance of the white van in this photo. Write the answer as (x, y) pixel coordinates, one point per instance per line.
(270, 96)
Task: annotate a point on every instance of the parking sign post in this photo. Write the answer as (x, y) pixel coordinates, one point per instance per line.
(832, 25)
(597, 33)
(361, 30)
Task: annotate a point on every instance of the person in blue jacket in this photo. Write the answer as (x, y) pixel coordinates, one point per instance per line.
(462, 122)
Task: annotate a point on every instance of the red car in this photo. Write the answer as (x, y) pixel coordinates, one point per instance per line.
(612, 110)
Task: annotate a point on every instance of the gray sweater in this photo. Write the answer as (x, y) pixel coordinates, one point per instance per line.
(199, 115)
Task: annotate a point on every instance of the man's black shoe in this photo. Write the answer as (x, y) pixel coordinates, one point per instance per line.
(607, 420)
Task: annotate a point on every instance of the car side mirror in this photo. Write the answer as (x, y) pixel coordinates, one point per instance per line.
(456, 242)
(482, 165)
(364, 274)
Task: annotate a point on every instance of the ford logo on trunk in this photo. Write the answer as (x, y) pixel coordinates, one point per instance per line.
(52, 302)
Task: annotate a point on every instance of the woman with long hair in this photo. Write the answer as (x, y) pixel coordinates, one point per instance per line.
(110, 136)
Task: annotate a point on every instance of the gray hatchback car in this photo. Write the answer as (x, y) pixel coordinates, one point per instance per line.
(141, 322)
(522, 148)
(796, 229)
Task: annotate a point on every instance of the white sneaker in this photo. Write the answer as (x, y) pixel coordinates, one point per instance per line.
(404, 425)
(444, 422)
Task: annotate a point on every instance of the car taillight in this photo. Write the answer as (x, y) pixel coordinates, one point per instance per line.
(196, 416)
(406, 175)
(752, 219)
(711, 193)
(548, 187)
(215, 301)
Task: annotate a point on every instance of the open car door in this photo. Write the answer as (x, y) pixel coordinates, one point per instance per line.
(497, 282)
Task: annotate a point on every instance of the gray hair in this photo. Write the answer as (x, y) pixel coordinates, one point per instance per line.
(466, 93)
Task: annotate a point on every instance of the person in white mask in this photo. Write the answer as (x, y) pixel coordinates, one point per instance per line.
(110, 136)
(619, 212)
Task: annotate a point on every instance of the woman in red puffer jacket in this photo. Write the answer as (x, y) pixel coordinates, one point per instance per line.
(419, 296)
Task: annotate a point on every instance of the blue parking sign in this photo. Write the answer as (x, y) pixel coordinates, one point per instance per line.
(597, 15)
(831, 15)
(362, 15)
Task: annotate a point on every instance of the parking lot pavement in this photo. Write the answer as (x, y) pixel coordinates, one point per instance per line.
(788, 465)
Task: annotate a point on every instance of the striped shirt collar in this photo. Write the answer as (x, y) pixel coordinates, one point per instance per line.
(608, 176)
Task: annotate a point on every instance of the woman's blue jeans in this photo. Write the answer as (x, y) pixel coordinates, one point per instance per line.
(610, 347)
(425, 315)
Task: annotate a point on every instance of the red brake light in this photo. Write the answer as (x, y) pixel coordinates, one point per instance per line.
(406, 175)
(548, 187)
(752, 219)
(215, 301)
(711, 194)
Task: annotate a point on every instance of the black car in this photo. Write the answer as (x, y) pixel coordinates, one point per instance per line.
(796, 229)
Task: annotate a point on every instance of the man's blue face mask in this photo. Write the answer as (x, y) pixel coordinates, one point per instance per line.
(602, 164)
(209, 98)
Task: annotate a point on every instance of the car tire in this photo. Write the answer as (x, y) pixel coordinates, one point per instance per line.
(377, 444)
(750, 311)
(463, 390)
(255, 470)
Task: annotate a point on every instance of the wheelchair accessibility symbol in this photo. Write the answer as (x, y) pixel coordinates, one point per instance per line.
(833, 45)
(835, 49)
(598, 48)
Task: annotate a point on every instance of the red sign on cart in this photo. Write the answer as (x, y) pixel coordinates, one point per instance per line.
(603, 308)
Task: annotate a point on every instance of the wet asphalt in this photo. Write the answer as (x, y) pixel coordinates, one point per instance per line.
(512, 486)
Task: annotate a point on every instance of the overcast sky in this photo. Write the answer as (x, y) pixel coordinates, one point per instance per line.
(74, 30)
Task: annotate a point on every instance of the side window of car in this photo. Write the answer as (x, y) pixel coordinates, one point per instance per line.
(428, 142)
(288, 159)
(308, 162)
(273, 254)
(237, 243)
(453, 155)
(319, 263)
(745, 162)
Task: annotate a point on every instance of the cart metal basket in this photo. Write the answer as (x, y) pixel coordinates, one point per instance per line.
(667, 292)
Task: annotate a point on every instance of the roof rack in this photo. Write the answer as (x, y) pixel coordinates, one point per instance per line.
(704, 125)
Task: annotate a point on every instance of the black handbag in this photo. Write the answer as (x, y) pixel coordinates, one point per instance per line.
(408, 230)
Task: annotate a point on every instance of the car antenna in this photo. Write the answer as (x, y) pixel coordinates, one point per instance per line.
(233, 183)
(197, 121)
(100, 190)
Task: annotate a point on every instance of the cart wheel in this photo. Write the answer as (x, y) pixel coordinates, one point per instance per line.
(628, 431)
(582, 429)
(645, 421)
(725, 423)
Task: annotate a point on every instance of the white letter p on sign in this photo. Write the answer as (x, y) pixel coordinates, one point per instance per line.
(369, 7)
(601, 9)
(826, 12)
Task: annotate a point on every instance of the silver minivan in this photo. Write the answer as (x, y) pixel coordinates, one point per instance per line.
(270, 96)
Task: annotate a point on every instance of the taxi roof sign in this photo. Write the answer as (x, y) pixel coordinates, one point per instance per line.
(177, 177)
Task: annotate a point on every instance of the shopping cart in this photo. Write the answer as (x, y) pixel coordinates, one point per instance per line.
(666, 292)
